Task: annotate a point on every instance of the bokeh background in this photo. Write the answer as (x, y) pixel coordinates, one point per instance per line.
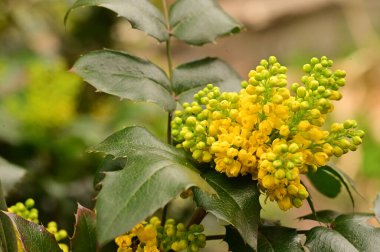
(49, 117)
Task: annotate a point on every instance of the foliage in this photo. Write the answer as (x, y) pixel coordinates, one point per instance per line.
(225, 146)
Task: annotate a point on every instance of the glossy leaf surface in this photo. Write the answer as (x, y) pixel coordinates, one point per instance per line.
(140, 13)
(237, 203)
(154, 174)
(325, 182)
(125, 76)
(350, 232)
(277, 238)
(197, 22)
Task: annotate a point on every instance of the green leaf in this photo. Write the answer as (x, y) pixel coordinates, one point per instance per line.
(190, 77)
(345, 180)
(350, 232)
(34, 237)
(376, 209)
(237, 203)
(277, 238)
(325, 182)
(235, 242)
(84, 238)
(141, 14)
(325, 216)
(8, 240)
(126, 76)
(197, 22)
(10, 174)
(155, 174)
(327, 240)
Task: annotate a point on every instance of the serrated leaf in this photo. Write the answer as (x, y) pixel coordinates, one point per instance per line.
(155, 174)
(10, 174)
(277, 238)
(190, 77)
(8, 240)
(325, 182)
(376, 209)
(237, 203)
(84, 238)
(350, 232)
(197, 22)
(34, 237)
(141, 14)
(126, 76)
(325, 216)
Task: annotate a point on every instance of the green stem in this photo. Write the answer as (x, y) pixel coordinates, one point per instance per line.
(197, 217)
(170, 75)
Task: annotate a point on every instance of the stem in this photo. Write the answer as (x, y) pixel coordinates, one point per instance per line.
(215, 237)
(170, 75)
(197, 217)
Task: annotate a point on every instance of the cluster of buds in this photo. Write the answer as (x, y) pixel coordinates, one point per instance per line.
(27, 211)
(153, 237)
(267, 132)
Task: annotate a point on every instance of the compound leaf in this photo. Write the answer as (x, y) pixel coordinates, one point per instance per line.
(8, 240)
(126, 76)
(325, 182)
(237, 203)
(155, 173)
(277, 238)
(197, 22)
(141, 14)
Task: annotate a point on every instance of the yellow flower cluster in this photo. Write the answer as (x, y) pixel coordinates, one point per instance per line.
(265, 131)
(153, 237)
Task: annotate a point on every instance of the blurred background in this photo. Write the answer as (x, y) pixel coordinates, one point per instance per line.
(49, 117)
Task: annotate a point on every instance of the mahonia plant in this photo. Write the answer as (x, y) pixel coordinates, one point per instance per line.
(29, 212)
(266, 131)
(153, 237)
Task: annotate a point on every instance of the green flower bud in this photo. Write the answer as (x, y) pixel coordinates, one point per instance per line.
(297, 202)
(293, 148)
(292, 190)
(301, 92)
(29, 203)
(303, 194)
(307, 68)
(280, 174)
(272, 60)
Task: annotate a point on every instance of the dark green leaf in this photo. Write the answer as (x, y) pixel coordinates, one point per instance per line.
(327, 240)
(8, 240)
(34, 237)
(376, 209)
(110, 163)
(84, 238)
(277, 238)
(237, 203)
(344, 179)
(356, 229)
(155, 173)
(348, 232)
(235, 242)
(190, 77)
(10, 174)
(325, 216)
(197, 22)
(126, 76)
(325, 182)
(140, 13)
